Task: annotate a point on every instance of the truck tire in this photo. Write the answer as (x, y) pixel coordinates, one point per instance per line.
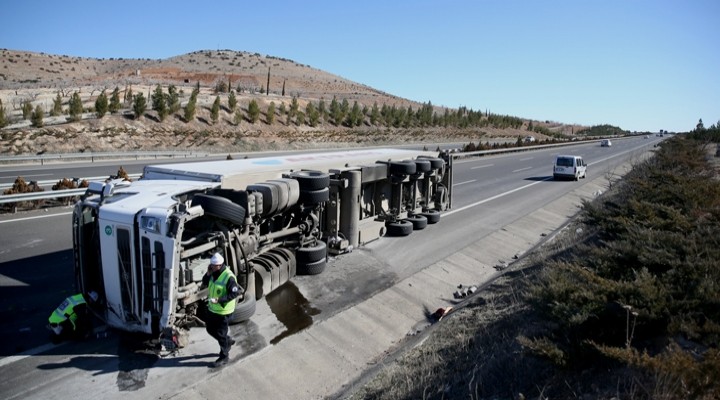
(220, 207)
(308, 197)
(423, 166)
(402, 167)
(313, 268)
(418, 221)
(436, 163)
(433, 217)
(243, 310)
(310, 254)
(399, 228)
(289, 257)
(311, 180)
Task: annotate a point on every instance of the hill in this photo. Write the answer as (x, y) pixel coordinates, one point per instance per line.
(362, 115)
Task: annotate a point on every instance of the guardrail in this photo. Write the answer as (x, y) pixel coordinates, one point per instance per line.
(92, 157)
(15, 198)
(55, 194)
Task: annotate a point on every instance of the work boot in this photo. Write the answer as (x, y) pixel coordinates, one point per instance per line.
(222, 360)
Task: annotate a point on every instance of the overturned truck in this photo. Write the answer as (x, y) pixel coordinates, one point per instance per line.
(144, 246)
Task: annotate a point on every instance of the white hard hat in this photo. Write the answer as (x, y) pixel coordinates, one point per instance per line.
(217, 259)
(93, 295)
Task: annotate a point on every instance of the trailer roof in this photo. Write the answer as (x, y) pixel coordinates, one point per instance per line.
(217, 171)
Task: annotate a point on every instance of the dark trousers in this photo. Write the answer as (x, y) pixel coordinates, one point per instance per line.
(217, 326)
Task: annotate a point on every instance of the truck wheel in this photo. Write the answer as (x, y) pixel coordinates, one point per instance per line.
(418, 222)
(220, 207)
(310, 254)
(423, 166)
(243, 310)
(313, 268)
(436, 163)
(311, 180)
(289, 257)
(314, 196)
(399, 228)
(433, 217)
(402, 167)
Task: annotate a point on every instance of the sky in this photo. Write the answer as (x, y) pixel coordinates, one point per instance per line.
(642, 65)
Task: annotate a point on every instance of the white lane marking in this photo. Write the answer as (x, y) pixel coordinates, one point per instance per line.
(497, 196)
(11, 359)
(25, 176)
(483, 166)
(462, 183)
(526, 186)
(36, 217)
(525, 159)
(522, 169)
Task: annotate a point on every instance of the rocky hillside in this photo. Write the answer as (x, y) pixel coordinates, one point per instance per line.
(37, 79)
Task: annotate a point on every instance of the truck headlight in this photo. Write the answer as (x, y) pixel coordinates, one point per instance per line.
(151, 224)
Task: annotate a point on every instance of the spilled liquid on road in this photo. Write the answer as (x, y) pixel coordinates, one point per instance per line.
(292, 309)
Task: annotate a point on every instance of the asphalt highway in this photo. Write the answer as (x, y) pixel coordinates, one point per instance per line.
(36, 274)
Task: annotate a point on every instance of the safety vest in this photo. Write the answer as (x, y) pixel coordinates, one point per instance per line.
(218, 289)
(67, 307)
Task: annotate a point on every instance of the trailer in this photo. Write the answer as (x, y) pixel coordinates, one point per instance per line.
(145, 245)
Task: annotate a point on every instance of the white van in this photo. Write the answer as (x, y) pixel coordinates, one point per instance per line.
(569, 167)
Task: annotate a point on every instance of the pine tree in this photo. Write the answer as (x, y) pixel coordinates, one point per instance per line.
(3, 119)
(374, 114)
(283, 89)
(37, 117)
(238, 116)
(158, 103)
(139, 105)
(354, 117)
(189, 113)
(26, 110)
(335, 112)
(101, 105)
(268, 82)
(294, 107)
(114, 101)
(312, 114)
(253, 111)
(172, 100)
(128, 95)
(322, 110)
(271, 113)
(57, 106)
(282, 109)
(232, 101)
(215, 110)
(76, 108)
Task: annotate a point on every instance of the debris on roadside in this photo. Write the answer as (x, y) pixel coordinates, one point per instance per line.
(441, 312)
(501, 265)
(460, 294)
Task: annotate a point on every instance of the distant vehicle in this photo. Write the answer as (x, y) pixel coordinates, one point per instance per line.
(646, 137)
(569, 167)
(605, 143)
(529, 139)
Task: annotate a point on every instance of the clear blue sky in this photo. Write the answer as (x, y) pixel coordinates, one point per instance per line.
(638, 64)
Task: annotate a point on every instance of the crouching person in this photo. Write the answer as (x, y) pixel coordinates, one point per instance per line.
(72, 318)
